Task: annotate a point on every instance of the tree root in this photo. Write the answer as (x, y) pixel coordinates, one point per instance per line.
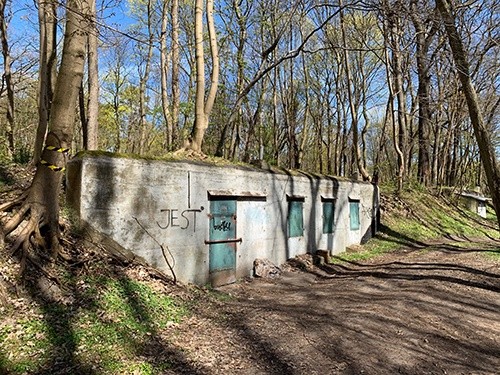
(29, 220)
(15, 202)
(16, 220)
(24, 237)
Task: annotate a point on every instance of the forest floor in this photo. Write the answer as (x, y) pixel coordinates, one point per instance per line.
(427, 310)
(429, 307)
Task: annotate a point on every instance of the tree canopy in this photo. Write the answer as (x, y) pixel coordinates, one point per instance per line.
(341, 88)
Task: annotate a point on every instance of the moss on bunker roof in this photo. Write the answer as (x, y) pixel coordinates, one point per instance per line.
(202, 159)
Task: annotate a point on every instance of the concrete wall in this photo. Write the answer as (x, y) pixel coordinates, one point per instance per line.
(475, 203)
(171, 200)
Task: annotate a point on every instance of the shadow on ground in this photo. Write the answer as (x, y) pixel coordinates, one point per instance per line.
(422, 312)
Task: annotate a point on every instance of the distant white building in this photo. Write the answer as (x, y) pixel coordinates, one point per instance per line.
(475, 202)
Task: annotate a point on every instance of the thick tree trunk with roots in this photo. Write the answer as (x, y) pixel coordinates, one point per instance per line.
(39, 206)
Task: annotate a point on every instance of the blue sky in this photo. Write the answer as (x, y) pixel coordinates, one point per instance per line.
(24, 22)
(24, 19)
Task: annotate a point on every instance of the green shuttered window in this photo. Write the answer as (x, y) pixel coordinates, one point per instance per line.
(295, 218)
(354, 214)
(328, 216)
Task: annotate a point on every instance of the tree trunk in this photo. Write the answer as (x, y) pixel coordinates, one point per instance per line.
(167, 115)
(41, 206)
(176, 93)
(307, 108)
(424, 115)
(8, 79)
(423, 42)
(143, 82)
(240, 79)
(481, 133)
(396, 90)
(83, 115)
(203, 107)
(214, 82)
(93, 84)
(200, 123)
(47, 20)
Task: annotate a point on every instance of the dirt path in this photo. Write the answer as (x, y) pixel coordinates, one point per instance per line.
(431, 311)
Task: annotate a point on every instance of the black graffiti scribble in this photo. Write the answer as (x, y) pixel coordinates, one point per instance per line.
(224, 226)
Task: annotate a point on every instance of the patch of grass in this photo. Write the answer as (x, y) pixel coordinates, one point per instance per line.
(493, 253)
(490, 214)
(214, 294)
(107, 329)
(24, 345)
(415, 217)
(138, 305)
(133, 313)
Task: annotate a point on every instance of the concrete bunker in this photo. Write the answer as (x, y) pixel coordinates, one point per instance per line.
(475, 202)
(216, 220)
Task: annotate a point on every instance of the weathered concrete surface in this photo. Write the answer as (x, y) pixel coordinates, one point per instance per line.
(142, 203)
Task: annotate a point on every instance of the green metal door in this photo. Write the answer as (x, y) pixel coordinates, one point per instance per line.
(222, 252)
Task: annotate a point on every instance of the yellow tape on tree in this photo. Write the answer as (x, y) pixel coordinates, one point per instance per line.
(57, 149)
(55, 168)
